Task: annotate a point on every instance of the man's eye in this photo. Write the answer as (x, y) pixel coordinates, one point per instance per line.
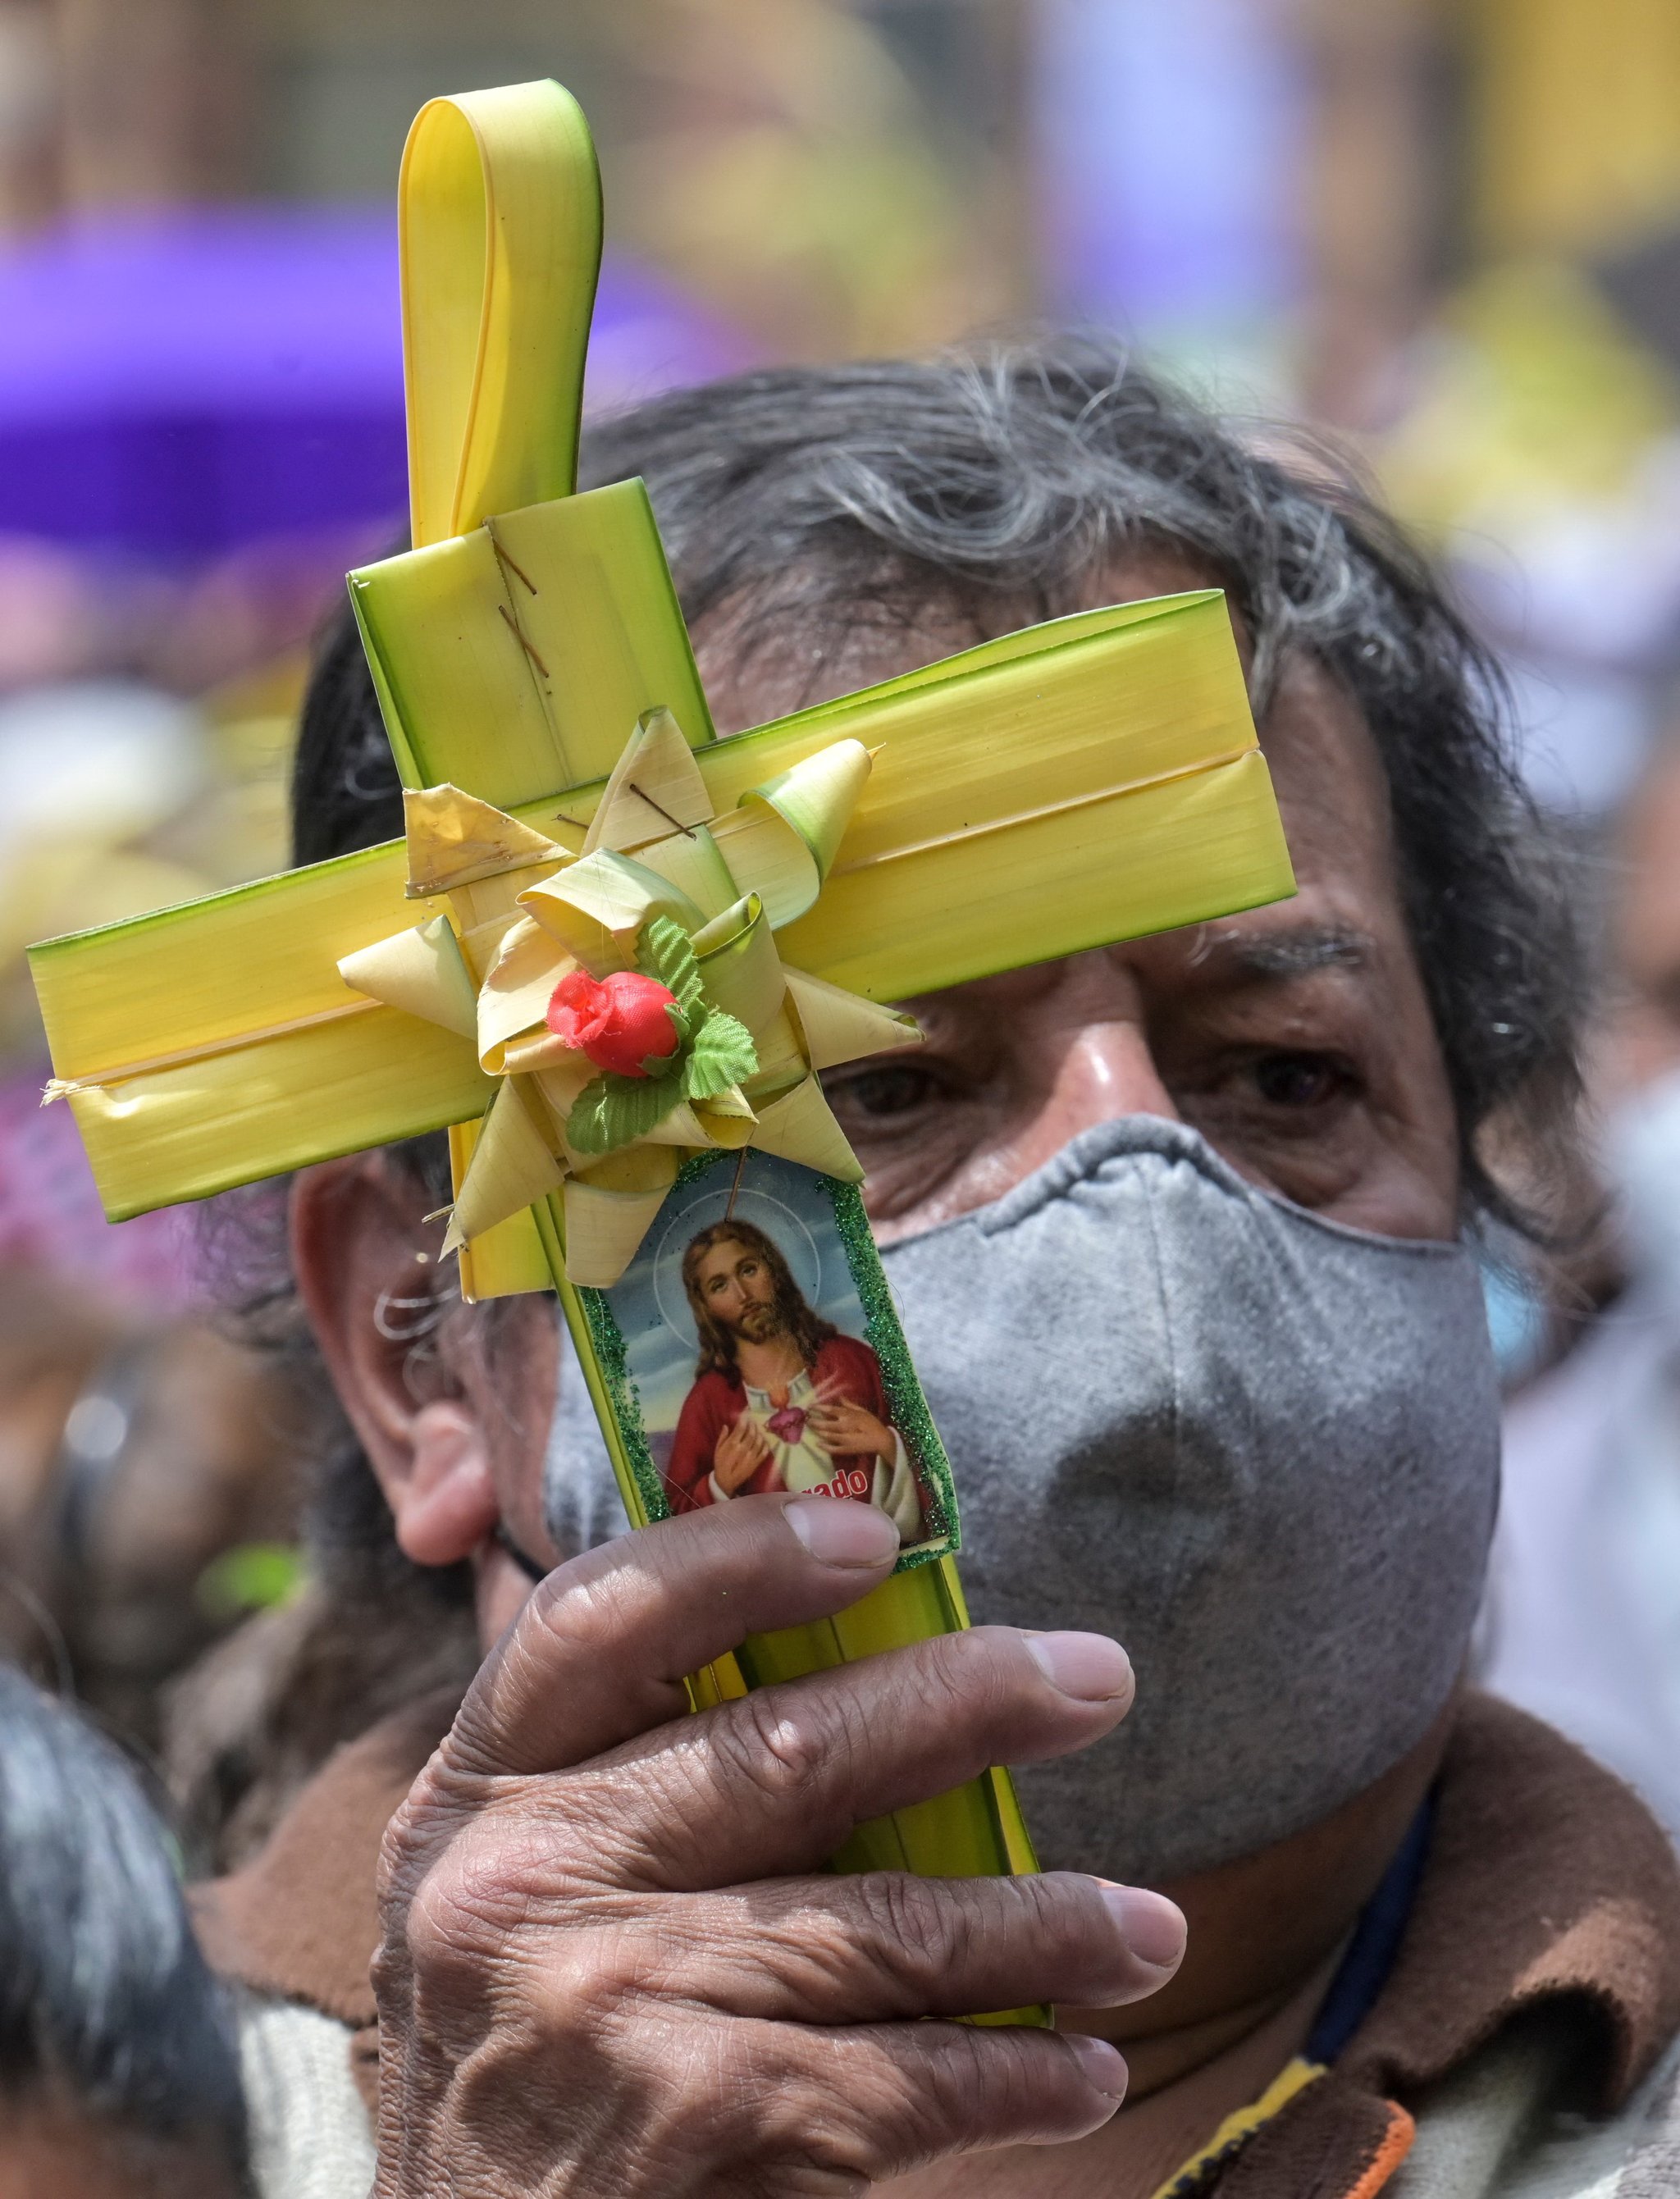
(881, 1093)
(1299, 1079)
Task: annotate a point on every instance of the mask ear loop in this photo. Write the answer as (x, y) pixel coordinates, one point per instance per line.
(530, 1566)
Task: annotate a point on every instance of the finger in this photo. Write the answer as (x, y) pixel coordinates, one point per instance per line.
(599, 1651)
(875, 2103)
(884, 1946)
(776, 1780)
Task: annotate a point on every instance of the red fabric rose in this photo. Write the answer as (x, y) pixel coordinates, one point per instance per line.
(619, 1024)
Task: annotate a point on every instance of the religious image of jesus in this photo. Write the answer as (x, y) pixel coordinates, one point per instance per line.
(781, 1399)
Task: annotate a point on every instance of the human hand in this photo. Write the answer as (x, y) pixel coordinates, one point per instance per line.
(611, 1962)
(844, 1429)
(741, 1450)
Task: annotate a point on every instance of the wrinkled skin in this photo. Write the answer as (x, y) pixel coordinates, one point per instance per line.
(566, 1990)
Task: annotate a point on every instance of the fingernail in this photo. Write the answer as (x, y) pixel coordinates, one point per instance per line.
(1102, 2067)
(1152, 1926)
(838, 1531)
(1088, 1666)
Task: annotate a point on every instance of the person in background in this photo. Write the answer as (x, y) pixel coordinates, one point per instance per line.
(1583, 1624)
(119, 2074)
(149, 1492)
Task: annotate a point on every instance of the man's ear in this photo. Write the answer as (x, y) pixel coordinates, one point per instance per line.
(366, 1260)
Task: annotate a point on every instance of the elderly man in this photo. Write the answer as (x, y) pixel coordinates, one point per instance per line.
(1176, 1230)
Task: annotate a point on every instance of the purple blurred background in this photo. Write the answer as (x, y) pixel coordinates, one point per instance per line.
(176, 386)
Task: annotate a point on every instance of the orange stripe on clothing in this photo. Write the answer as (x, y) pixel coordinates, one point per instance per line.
(1396, 2145)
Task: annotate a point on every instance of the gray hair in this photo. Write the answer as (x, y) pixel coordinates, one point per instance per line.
(106, 2008)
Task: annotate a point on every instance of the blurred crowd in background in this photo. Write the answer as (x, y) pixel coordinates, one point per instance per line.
(1447, 232)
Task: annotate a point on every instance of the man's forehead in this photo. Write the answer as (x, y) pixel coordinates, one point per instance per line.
(1331, 785)
(1288, 944)
(757, 664)
(1328, 774)
(1329, 777)
(790, 645)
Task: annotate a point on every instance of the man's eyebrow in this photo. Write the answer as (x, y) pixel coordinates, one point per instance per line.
(1298, 953)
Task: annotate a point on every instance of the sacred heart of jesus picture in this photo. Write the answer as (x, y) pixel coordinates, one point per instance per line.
(752, 1346)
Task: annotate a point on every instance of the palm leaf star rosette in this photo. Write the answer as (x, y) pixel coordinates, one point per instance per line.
(631, 998)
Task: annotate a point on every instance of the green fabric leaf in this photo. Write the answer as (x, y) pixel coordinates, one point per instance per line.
(663, 952)
(723, 1054)
(613, 1110)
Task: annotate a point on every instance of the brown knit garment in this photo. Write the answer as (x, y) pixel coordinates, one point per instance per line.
(1546, 1883)
(301, 1920)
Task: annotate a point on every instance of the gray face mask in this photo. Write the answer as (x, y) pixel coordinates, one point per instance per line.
(1258, 1447)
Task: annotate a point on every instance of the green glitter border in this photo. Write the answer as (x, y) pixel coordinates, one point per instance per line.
(910, 1413)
